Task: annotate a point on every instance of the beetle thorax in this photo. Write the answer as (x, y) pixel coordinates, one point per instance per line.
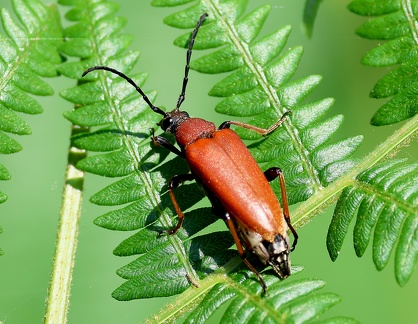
(192, 129)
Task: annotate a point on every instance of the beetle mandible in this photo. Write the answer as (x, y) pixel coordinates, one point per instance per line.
(234, 183)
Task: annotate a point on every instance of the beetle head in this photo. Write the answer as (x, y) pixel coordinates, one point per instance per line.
(275, 254)
(172, 120)
(278, 252)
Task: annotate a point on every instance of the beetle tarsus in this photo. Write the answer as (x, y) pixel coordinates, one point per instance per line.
(167, 232)
(191, 280)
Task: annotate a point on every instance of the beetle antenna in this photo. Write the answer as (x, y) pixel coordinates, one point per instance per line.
(137, 88)
(189, 55)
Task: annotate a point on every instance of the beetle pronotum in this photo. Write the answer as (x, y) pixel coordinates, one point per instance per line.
(234, 183)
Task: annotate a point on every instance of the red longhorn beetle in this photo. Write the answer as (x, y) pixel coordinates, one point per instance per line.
(234, 183)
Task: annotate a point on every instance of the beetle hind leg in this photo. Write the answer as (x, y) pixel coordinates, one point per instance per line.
(231, 226)
(271, 174)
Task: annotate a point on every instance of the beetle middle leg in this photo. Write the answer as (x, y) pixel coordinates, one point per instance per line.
(174, 182)
(271, 174)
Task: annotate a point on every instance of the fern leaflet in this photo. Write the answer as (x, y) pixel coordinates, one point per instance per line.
(385, 199)
(396, 22)
(309, 14)
(28, 51)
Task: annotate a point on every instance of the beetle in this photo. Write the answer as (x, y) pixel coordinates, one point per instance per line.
(237, 188)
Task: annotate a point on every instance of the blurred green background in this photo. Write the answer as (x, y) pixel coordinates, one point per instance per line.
(30, 216)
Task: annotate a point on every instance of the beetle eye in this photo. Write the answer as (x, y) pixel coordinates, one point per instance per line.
(166, 123)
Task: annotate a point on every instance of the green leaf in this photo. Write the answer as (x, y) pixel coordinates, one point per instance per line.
(394, 52)
(3, 198)
(223, 60)
(384, 199)
(8, 145)
(4, 175)
(394, 23)
(399, 107)
(309, 14)
(169, 3)
(373, 7)
(397, 80)
(28, 51)
(390, 26)
(406, 256)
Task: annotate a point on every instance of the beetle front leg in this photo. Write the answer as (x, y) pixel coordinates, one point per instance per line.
(261, 131)
(174, 182)
(272, 174)
(159, 140)
(240, 249)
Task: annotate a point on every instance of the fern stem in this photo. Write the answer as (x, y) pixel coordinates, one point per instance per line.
(308, 209)
(409, 14)
(66, 246)
(187, 300)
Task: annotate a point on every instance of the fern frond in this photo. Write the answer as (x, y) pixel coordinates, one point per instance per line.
(385, 198)
(260, 87)
(164, 265)
(28, 51)
(396, 23)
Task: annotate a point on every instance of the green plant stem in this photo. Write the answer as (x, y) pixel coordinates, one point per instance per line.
(66, 246)
(187, 300)
(409, 14)
(311, 207)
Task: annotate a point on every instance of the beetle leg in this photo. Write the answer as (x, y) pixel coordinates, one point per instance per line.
(174, 182)
(259, 130)
(159, 140)
(240, 249)
(272, 174)
(191, 281)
